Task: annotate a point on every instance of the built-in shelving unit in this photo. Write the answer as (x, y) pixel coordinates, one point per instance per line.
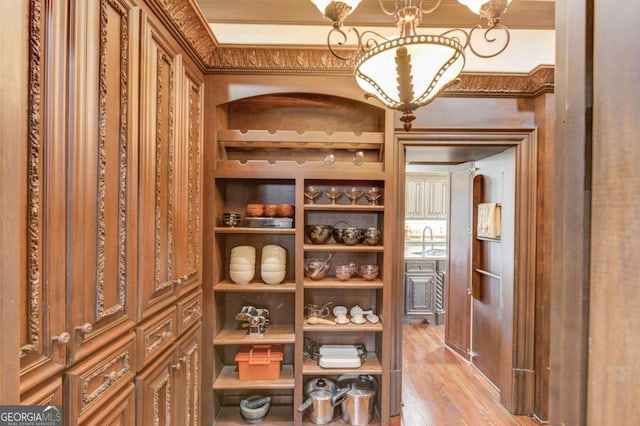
(257, 164)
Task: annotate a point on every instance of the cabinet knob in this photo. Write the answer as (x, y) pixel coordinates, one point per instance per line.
(163, 335)
(111, 376)
(176, 366)
(85, 328)
(62, 339)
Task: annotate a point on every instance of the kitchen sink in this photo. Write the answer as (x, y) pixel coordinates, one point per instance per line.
(434, 252)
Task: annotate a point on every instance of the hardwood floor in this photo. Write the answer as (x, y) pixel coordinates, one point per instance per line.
(440, 389)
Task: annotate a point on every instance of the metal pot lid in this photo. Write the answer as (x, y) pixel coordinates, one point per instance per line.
(360, 384)
(320, 384)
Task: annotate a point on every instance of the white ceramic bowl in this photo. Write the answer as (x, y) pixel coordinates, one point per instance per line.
(273, 277)
(243, 277)
(272, 267)
(244, 249)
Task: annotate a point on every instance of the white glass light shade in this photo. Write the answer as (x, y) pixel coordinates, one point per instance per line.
(476, 5)
(322, 4)
(432, 63)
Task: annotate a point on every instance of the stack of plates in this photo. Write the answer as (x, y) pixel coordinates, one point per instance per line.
(274, 264)
(242, 265)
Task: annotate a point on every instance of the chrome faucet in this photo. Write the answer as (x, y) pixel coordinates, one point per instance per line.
(424, 230)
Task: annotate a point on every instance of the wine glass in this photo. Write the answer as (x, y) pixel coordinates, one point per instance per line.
(373, 194)
(311, 192)
(354, 194)
(333, 193)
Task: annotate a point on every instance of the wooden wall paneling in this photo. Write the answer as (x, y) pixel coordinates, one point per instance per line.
(103, 175)
(570, 277)
(42, 287)
(157, 171)
(545, 120)
(210, 266)
(614, 300)
(14, 81)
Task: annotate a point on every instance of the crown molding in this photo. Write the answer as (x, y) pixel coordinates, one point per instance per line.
(312, 61)
(186, 21)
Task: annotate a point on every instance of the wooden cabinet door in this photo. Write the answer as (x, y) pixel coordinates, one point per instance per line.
(102, 174)
(414, 204)
(188, 183)
(157, 173)
(154, 386)
(188, 379)
(120, 410)
(41, 328)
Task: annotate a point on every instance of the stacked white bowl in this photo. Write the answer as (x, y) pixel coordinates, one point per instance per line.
(242, 265)
(274, 264)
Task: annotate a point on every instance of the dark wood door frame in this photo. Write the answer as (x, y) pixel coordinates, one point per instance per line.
(517, 373)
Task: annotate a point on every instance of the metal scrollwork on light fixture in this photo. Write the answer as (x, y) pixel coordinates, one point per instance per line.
(409, 71)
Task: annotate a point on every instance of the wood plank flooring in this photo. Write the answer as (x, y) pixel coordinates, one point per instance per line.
(440, 389)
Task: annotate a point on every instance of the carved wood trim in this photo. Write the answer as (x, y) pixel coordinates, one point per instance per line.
(186, 20)
(101, 312)
(163, 381)
(194, 207)
(192, 362)
(34, 181)
(157, 336)
(108, 379)
(164, 59)
(258, 60)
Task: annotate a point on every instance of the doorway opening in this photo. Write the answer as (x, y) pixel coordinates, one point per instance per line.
(505, 160)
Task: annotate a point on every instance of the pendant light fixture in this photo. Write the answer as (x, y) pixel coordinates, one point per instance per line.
(409, 71)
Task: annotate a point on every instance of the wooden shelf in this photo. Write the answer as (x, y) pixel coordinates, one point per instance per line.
(359, 208)
(278, 415)
(343, 248)
(290, 139)
(273, 334)
(371, 366)
(246, 230)
(341, 328)
(229, 286)
(353, 283)
(228, 379)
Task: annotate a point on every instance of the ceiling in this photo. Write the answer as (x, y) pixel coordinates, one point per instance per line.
(298, 22)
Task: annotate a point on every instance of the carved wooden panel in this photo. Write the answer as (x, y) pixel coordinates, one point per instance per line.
(157, 172)
(42, 284)
(96, 380)
(189, 310)
(119, 410)
(103, 182)
(155, 335)
(188, 377)
(188, 205)
(154, 392)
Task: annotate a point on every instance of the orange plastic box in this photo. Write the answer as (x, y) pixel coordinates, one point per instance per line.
(259, 362)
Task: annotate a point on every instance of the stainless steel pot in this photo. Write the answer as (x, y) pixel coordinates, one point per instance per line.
(360, 399)
(321, 401)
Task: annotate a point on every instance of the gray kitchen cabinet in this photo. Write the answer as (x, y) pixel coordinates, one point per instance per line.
(424, 290)
(426, 195)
